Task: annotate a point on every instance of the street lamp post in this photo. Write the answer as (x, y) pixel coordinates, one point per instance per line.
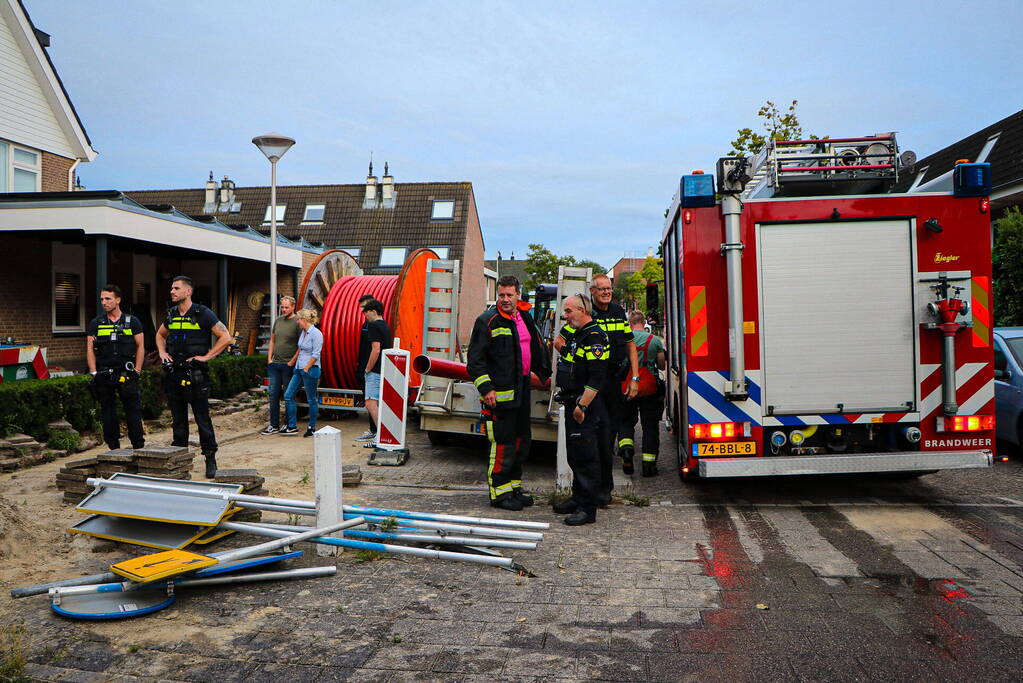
(273, 145)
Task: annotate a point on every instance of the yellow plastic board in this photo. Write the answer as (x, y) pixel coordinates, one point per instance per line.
(161, 565)
(211, 535)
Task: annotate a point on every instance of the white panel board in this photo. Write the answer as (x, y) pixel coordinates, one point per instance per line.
(837, 316)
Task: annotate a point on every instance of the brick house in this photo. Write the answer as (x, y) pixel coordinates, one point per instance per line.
(42, 140)
(379, 222)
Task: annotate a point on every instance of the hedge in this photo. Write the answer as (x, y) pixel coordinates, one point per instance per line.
(30, 405)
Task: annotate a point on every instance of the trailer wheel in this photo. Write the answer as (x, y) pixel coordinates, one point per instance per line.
(437, 438)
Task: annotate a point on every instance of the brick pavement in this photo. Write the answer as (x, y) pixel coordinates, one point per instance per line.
(797, 581)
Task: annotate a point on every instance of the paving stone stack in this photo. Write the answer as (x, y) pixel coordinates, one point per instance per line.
(252, 486)
(71, 479)
(117, 460)
(20, 450)
(166, 462)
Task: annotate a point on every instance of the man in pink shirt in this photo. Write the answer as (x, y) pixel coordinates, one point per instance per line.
(504, 348)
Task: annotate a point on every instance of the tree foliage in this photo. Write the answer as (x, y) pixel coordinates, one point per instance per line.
(777, 126)
(1008, 268)
(542, 265)
(630, 288)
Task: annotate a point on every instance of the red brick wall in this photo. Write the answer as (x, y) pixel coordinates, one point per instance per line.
(26, 313)
(55, 171)
(251, 277)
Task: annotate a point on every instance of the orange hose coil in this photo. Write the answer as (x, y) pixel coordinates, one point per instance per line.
(341, 321)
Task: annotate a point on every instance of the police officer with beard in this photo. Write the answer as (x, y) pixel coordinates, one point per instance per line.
(114, 351)
(184, 341)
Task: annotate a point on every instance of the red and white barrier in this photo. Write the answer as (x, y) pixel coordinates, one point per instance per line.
(393, 406)
(26, 354)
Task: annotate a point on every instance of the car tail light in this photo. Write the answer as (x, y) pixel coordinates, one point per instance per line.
(966, 423)
(719, 430)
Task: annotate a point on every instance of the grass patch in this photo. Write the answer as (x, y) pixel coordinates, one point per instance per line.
(304, 479)
(558, 496)
(63, 440)
(13, 645)
(632, 499)
(368, 555)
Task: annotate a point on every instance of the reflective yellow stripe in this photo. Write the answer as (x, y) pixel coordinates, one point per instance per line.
(566, 330)
(649, 457)
(503, 396)
(596, 356)
(498, 331)
(480, 380)
(107, 330)
(183, 325)
(502, 489)
(493, 456)
(625, 442)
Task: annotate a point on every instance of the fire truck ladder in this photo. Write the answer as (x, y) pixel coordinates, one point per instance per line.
(786, 168)
(440, 328)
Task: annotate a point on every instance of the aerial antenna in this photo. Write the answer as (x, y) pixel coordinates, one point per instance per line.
(371, 162)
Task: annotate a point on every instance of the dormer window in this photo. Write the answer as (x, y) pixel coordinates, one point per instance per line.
(443, 210)
(280, 213)
(392, 256)
(314, 212)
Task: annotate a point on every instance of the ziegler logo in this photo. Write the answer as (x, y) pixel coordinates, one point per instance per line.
(945, 258)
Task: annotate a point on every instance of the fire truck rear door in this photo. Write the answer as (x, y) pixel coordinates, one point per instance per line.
(837, 316)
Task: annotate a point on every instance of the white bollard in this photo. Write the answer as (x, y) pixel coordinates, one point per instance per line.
(563, 473)
(392, 411)
(327, 472)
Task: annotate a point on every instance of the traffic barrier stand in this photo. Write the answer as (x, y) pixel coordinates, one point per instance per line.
(389, 448)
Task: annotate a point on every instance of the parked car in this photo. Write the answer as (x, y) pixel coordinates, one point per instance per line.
(1009, 385)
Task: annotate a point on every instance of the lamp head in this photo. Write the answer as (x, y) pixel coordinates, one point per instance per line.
(273, 145)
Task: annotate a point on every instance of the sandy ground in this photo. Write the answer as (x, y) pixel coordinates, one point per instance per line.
(36, 548)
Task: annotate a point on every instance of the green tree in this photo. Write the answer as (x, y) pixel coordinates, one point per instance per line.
(542, 265)
(1007, 268)
(777, 126)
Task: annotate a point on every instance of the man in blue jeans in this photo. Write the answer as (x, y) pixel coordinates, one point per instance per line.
(283, 345)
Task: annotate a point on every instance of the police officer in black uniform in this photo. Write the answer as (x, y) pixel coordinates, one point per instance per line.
(114, 351)
(585, 358)
(184, 341)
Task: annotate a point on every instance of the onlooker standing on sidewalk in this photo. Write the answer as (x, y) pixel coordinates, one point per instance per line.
(283, 345)
(378, 335)
(360, 369)
(649, 402)
(306, 363)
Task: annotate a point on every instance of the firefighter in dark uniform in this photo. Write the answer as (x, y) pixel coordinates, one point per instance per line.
(582, 374)
(504, 349)
(624, 363)
(184, 341)
(114, 351)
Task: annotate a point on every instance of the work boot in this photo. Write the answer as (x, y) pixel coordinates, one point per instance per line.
(211, 465)
(507, 503)
(604, 500)
(649, 469)
(524, 499)
(626, 455)
(580, 517)
(565, 507)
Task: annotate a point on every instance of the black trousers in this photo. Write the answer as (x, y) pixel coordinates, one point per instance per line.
(612, 398)
(584, 456)
(108, 390)
(510, 434)
(196, 395)
(648, 409)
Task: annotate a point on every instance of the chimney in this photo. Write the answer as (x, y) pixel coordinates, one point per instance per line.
(388, 188)
(370, 202)
(226, 194)
(498, 255)
(210, 203)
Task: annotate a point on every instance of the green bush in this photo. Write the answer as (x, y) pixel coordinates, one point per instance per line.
(65, 441)
(28, 406)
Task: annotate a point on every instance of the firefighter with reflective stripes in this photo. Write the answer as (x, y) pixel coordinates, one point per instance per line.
(504, 348)
(582, 374)
(624, 363)
(114, 351)
(184, 341)
(648, 406)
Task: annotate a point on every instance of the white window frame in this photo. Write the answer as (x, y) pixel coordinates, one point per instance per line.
(305, 214)
(401, 261)
(436, 204)
(281, 210)
(442, 252)
(67, 258)
(354, 252)
(36, 169)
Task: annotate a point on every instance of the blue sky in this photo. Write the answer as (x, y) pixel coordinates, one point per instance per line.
(573, 120)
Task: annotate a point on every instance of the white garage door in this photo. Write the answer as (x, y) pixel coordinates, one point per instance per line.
(837, 316)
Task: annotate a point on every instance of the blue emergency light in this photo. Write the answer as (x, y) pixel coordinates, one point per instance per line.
(697, 190)
(971, 180)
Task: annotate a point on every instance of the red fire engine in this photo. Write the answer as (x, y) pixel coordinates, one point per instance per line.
(818, 323)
